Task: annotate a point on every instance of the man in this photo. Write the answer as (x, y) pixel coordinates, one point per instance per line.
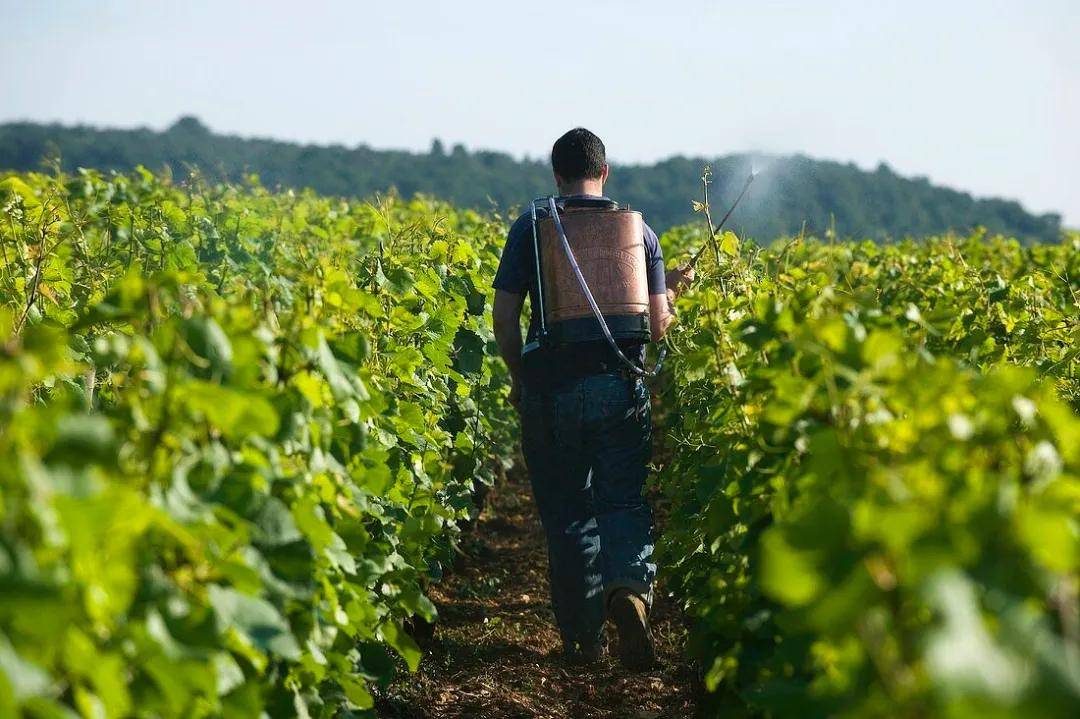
(586, 436)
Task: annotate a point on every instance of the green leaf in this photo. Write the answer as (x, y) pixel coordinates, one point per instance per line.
(468, 352)
(83, 439)
(729, 244)
(1052, 537)
(356, 692)
(961, 655)
(237, 414)
(788, 575)
(311, 521)
(375, 664)
(276, 524)
(208, 341)
(16, 186)
(25, 679)
(254, 619)
(352, 346)
(344, 384)
(402, 643)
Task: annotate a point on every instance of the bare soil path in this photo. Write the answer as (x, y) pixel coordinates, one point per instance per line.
(495, 650)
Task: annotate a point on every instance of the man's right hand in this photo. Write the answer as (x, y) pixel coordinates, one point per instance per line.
(679, 279)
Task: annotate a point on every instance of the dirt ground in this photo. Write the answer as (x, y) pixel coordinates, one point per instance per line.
(495, 650)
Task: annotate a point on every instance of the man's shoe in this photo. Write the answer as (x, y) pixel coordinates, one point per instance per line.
(630, 615)
(583, 654)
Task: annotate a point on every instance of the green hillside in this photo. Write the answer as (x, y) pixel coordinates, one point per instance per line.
(794, 190)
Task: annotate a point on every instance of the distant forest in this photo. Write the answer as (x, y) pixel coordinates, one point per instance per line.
(792, 192)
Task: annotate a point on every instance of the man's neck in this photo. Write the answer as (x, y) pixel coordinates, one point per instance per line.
(583, 187)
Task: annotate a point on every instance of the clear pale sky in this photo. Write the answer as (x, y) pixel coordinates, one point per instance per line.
(983, 96)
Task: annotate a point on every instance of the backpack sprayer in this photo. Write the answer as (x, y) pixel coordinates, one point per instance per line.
(590, 245)
(591, 276)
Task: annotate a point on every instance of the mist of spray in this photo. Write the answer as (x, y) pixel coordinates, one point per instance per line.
(767, 171)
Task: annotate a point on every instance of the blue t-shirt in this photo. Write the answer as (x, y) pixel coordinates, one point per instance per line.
(517, 266)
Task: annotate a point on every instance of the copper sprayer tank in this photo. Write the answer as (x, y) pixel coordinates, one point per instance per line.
(609, 246)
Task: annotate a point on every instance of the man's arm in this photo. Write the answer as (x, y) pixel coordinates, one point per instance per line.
(664, 287)
(660, 314)
(660, 317)
(506, 320)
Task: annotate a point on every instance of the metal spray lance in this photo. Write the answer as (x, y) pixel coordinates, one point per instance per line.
(724, 219)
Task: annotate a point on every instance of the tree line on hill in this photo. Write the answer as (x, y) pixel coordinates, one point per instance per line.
(793, 193)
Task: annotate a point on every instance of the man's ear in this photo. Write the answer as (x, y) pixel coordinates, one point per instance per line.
(559, 182)
(604, 173)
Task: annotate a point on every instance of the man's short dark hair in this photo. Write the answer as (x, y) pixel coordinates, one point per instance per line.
(578, 155)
